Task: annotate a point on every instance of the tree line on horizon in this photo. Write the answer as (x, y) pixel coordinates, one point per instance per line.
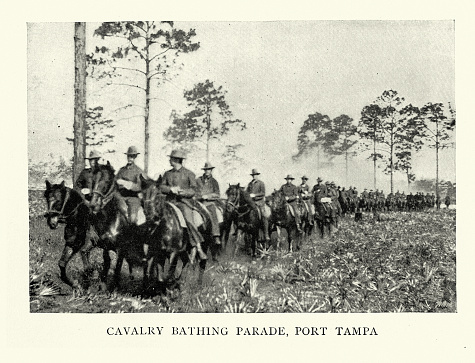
(390, 129)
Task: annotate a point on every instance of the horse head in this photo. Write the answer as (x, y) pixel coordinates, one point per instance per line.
(56, 198)
(153, 198)
(102, 185)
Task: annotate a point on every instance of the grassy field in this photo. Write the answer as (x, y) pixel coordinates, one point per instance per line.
(403, 263)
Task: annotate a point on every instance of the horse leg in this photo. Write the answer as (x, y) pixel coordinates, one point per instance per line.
(85, 252)
(66, 256)
(106, 266)
(118, 267)
(289, 238)
(279, 235)
(172, 268)
(147, 266)
(254, 238)
(74, 242)
(201, 272)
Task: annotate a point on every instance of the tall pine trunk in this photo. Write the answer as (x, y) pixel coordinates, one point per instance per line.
(147, 108)
(346, 166)
(79, 126)
(374, 163)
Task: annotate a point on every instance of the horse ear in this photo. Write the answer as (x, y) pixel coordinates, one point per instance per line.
(108, 163)
(62, 184)
(48, 185)
(239, 184)
(142, 179)
(159, 180)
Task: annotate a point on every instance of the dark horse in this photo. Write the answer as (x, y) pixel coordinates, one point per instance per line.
(167, 238)
(110, 222)
(283, 217)
(323, 217)
(245, 214)
(66, 205)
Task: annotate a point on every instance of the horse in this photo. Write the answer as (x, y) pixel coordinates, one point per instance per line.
(284, 218)
(344, 203)
(363, 204)
(65, 205)
(353, 204)
(110, 221)
(323, 216)
(245, 212)
(307, 215)
(167, 237)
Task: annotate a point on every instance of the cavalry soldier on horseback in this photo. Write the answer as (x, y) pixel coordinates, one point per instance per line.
(291, 194)
(129, 186)
(447, 201)
(365, 194)
(306, 197)
(333, 194)
(83, 183)
(320, 191)
(257, 192)
(180, 186)
(208, 193)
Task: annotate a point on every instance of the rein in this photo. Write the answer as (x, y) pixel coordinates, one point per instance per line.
(236, 206)
(108, 196)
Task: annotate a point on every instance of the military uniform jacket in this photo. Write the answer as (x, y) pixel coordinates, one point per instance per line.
(183, 178)
(207, 185)
(332, 193)
(84, 180)
(304, 191)
(291, 191)
(257, 188)
(132, 174)
(320, 191)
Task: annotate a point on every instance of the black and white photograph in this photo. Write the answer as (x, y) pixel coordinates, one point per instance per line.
(222, 179)
(242, 167)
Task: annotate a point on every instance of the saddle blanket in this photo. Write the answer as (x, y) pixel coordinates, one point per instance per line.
(179, 215)
(267, 211)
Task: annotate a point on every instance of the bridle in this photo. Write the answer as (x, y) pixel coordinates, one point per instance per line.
(61, 215)
(105, 197)
(236, 205)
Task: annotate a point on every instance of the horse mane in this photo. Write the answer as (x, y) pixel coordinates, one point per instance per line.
(247, 198)
(108, 168)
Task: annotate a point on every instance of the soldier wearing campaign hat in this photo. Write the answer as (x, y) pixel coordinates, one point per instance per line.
(291, 195)
(257, 191)
(129, 185)
(319, 191)
(179, 184)
(83, 183)
(306, 197)
(208, 193)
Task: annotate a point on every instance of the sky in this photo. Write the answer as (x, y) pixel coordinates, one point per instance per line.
(275, 73)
